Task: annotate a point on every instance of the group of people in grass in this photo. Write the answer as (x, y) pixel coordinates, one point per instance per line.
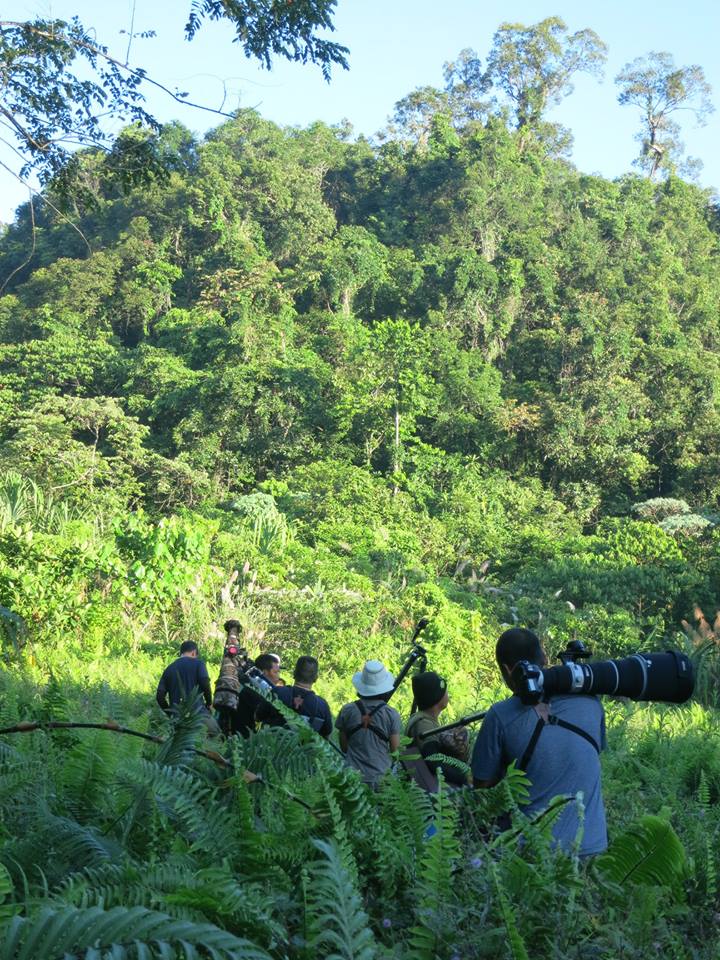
(556, 742)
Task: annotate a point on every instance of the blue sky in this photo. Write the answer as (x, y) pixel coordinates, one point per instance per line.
(395, 46)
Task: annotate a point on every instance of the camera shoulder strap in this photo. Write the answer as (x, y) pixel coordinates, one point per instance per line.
(544, 718)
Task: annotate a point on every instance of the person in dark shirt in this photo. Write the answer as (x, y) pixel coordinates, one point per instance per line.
(251, 704)
(431, 696)
(181, 678)
(301, 698)
(269, 664)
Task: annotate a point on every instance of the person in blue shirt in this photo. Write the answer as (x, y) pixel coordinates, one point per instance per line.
(301, 698)
(556, 742)
(181, 678)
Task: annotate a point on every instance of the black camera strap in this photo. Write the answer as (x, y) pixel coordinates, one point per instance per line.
(554, 721)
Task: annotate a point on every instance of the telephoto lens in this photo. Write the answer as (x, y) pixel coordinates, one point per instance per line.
(661, 677)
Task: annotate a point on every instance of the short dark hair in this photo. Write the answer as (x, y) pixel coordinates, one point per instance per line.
(266, 661)
(306, 670)
(187, 646)
(518, 644)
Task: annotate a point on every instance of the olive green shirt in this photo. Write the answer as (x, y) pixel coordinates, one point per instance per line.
(420, 723)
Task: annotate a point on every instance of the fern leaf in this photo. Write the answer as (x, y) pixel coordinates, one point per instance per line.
(440, 855)
(341, 929)
(515, 940)
(190, 804)
(119, 933)
(6, 891)
(187, 729)
(649, 852)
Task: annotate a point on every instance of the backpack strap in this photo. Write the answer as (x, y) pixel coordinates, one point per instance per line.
(366, 722)
(554, 721)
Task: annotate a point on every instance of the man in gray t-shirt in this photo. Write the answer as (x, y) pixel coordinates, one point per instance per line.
(369, 727)
(563, 761)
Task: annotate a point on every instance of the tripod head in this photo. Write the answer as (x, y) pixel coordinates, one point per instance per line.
(574, 651)
(417, 655)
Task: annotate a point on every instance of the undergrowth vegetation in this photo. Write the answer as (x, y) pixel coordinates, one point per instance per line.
(114, 845)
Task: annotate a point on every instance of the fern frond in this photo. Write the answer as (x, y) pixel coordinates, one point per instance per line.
(515, 940)
(119, 933)
(187, 729)
(648, 852)
(440, 856)
(190, 804)
(405, 810)
(87, 773)
(178, 888)
(340, 928)
(54, 704)
(7, 890)
(277, 753)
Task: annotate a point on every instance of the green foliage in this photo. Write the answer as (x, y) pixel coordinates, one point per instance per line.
(648, 852)
(340, 923)
(123, 933)
(328, 387)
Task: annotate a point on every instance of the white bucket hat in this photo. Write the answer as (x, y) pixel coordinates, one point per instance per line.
(373, 679)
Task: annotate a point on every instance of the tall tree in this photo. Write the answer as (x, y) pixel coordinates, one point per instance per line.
(534, 66)
(59, 84)
(660, 89)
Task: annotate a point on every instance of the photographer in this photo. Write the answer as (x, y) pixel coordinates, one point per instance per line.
(431, 696)
(557, 742)
(269, 666)
(301, 698)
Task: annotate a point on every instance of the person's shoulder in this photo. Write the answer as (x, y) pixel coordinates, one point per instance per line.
(419, 723)
(284, 694)
(348, 714)
(578, 703)
(505, 709)
(392, 712)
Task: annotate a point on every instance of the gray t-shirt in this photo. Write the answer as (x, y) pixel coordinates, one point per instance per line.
(367, 752)
(563, 762)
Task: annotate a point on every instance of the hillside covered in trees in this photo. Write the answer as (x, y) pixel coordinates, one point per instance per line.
(330, 386)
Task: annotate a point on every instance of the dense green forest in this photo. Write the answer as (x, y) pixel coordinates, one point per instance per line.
(328, 386)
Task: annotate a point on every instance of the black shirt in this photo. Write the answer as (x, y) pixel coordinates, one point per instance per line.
(304, 702)
(180, 679)
(308, 704)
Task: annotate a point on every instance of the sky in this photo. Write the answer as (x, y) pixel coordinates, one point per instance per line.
(396, 46)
